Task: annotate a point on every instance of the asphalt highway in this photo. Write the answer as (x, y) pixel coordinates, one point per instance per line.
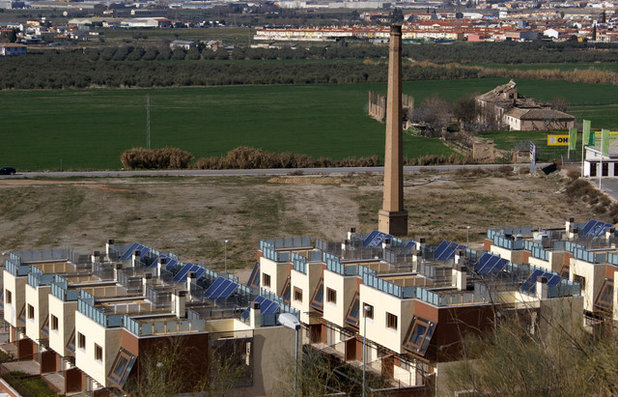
(251, 172)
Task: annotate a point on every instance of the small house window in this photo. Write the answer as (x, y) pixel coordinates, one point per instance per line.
(9, 297)
(331, 295)
(298, 294)
(30, 311)
(368, 311)
(266, 280)
(391, 320)
(98, 352)
(81, 340)
(54, 322)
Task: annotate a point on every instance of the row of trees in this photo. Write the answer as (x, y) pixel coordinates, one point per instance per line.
(533, 52)
(70, 71)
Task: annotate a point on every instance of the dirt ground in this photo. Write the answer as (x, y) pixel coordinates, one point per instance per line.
(193, 216)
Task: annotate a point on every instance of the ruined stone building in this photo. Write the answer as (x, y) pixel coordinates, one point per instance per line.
(504, 108)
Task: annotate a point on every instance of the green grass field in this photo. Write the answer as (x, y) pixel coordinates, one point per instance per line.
(89, 129)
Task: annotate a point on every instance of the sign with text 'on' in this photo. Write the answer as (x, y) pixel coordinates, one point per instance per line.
(557, 140)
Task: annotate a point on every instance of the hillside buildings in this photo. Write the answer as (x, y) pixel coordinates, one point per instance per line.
(91, 323)
(89, 319)
(408, 305)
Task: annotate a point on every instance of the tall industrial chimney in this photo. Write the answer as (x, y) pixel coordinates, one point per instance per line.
(392, 218)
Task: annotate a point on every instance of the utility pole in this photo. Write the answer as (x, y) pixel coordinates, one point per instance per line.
(147, 121)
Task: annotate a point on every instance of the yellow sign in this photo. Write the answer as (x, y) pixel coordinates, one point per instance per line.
(557, 140)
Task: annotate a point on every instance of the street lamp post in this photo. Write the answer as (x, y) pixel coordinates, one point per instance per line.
(365, 310)
(225, 263)
(290, 321)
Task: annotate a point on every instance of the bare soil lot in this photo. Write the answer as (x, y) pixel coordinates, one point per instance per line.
(193, 216)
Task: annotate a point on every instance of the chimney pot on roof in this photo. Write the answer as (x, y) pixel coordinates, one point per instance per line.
(255, 318)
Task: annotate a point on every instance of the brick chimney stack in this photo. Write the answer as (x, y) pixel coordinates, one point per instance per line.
(392, 218)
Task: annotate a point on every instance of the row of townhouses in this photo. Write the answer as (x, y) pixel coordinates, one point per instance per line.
(397, 308)
(89, 319)
(407, 305)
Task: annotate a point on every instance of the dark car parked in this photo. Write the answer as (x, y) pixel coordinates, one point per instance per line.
(7, 171)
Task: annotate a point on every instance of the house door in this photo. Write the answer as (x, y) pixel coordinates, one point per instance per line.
(605, 169)
(593, 169)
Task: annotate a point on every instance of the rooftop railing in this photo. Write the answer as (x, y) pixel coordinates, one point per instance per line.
(299, 263)
(43, 255)
(37, 278)
(149, 327)
(60, 289)
(334, 265)
(86, 306)
(371, 279)
(536, 250)
(14, 266)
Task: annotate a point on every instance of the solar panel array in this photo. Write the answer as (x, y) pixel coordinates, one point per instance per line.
(254, 279)
(530, 284)
(446, 250)
(594, 229)
(182, 275)
(490, 264)
(143, 250)
(221, 288)
(267, 306)
(374, 239)
(169, 262)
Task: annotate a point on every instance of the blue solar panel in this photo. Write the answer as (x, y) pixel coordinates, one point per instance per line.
(183, 272)
(482, 261)
(489, 264)
(271, 309)
(226, 292)
(530, 284)
(440, 248)
(214, 286)
(199, 272)
(374, 239)
(143, 250)
(170, 264)
(186, 275)
(222, 287)
(446, 250)
(499, 266)
(129, 252)
(594, 229)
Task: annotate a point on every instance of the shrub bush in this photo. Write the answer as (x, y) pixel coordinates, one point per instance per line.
(141, 158)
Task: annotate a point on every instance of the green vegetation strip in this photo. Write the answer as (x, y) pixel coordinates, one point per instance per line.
(89, 129)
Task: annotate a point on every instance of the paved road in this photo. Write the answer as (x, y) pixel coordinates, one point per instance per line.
(608, 185)
(252, 172)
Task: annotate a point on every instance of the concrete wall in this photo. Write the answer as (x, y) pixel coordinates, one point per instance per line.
(382, 303)
(515, 256)
(65, 312)
(273, 351)
(278, 273)
(307, 283)
(108, 339)
(18, 295)
(38, 298)
(345, 286)
(594, 276)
